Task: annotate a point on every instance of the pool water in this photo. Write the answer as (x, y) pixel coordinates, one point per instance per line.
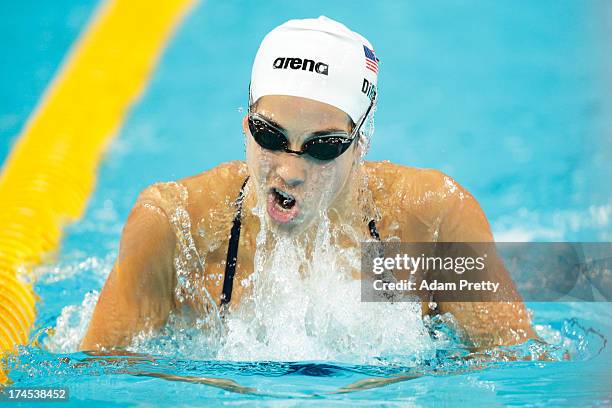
(514, 103)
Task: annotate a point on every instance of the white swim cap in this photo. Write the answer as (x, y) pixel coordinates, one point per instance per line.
(320, 59)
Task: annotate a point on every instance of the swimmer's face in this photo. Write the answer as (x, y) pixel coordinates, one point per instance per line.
(297, 189)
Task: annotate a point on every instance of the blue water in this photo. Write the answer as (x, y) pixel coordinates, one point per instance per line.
(34, 37)
(513, 102)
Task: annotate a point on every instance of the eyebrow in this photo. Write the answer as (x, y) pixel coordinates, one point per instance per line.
(322, 132)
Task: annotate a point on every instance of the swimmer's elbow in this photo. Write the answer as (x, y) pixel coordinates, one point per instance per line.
(486, 325)
(93, 343)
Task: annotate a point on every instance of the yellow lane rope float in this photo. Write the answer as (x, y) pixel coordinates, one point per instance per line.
(50, 173)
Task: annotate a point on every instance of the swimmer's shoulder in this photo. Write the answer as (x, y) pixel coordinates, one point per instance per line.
(209, 191)
(218, 182)
(215, 190)
(426, 191)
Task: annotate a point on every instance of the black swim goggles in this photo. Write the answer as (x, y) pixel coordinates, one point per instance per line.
(324, 146)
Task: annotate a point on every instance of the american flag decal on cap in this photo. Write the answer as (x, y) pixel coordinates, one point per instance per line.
(371, 60)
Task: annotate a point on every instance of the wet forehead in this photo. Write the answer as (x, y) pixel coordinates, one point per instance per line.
(302, 116)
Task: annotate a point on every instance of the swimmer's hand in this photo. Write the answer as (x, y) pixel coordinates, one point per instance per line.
(124, 358)
(375, 382)
(223, 383)
(138, 295)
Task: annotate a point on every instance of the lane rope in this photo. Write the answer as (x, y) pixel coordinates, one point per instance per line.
(51, 171)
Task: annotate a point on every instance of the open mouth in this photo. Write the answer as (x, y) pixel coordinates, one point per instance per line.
(285, 200)
(282, 206)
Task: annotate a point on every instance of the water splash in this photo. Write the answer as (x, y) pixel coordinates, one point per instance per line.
(309, 308)
(298, 308)
(71, 325)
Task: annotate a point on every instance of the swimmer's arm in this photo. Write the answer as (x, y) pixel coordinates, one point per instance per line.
(486, 324)
(138, 294)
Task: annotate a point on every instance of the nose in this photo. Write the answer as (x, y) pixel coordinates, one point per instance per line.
(291, 169)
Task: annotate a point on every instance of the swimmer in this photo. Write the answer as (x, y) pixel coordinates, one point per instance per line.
(312, 96)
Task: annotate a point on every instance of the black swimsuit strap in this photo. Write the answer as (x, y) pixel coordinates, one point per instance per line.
(232, 250)
(232, 247)
(373, 230)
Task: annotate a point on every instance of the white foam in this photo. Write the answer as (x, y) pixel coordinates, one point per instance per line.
(304, 308)
(71, 325)
(300, 308)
